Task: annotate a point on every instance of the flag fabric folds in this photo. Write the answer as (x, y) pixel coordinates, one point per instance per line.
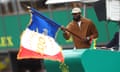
(38, 39)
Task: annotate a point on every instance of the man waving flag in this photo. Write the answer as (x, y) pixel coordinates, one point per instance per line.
(38, 39)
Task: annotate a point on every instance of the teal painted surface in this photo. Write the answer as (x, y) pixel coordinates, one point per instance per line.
(101, 61)
(87, 60)
(72, 60)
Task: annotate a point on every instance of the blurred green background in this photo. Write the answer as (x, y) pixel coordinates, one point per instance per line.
(12, 26)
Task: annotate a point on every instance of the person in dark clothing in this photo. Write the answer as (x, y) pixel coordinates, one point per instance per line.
(25, 65)
(114, 42)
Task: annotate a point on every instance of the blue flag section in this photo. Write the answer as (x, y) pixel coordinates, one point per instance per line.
(43, 24)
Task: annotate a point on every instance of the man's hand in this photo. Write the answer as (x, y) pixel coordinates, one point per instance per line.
(89, 39)
(63, 28)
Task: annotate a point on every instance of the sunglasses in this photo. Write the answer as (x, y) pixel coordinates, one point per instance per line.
(75, 13)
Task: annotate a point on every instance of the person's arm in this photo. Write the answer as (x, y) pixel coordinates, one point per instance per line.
(66, 34)
(92, 32)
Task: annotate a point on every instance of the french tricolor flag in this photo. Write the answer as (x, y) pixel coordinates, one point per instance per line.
(38, 39)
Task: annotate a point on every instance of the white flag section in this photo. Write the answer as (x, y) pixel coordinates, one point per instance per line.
(39, 43)
(39, 46)
(113, 10)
